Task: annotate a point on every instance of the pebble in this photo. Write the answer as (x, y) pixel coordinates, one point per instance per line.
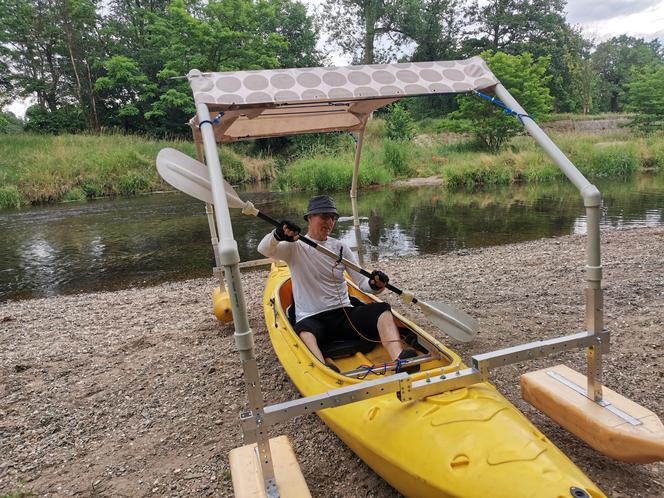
(88, 390)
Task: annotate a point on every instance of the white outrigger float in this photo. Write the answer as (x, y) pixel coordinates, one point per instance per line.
(457, 435)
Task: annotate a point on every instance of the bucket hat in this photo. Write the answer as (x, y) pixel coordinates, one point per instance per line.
(321, 204)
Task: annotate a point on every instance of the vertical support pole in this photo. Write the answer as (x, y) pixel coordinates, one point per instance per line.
(594, 301)
(209, 211)
(353, 194)
(229, 257)
(592, 200)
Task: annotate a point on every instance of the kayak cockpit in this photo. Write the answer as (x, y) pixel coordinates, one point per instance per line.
(361, 360)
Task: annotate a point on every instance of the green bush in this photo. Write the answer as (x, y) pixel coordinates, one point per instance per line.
(395, 158)
(232, 166)
(74, 194)
(10, 124)
(91, 188)
(133, 183)
(399, 124)
(611, 162)
(329, 174)
(9, 197)
(526, 80)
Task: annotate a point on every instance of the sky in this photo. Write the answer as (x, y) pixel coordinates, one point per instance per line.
(599, 20)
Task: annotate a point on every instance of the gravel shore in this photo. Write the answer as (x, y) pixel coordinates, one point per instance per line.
(138, 392)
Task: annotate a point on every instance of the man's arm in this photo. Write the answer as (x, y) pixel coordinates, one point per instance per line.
(278, 244)
(363, 282)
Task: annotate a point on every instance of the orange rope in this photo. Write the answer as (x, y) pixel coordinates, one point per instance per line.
(343, 308)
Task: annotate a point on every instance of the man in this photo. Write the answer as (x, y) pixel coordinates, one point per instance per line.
(323, 310)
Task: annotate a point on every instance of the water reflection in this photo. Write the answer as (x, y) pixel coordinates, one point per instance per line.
(114, 244)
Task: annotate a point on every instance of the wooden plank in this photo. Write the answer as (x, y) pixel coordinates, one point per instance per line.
(607, 432)
(247, 476)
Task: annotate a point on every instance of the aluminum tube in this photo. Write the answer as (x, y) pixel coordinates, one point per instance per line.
(588, 190)
(353, 195)
(229, 256)
(356, 166)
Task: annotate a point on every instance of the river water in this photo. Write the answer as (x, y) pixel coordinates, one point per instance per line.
(119, 243)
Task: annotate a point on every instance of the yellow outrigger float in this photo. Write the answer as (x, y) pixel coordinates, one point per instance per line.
(451, 432)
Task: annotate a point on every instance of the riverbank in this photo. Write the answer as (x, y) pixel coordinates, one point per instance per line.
(38, 169)
(137, 392)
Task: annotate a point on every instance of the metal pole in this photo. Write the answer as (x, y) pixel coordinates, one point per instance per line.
(229, 257)
(592, 201)
(353, 194)
(209, 211)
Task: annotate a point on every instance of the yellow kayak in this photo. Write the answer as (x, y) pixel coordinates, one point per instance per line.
(470, 442)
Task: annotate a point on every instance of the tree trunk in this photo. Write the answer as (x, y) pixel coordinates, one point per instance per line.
(93, 103)
(369, 32)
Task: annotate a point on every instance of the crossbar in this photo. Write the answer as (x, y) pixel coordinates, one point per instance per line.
(406, 390)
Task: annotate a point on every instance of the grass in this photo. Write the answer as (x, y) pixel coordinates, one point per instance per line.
(43, 168)
(36, 168)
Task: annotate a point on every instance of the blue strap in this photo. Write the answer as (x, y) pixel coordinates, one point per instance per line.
(213, 122)
(502, 105)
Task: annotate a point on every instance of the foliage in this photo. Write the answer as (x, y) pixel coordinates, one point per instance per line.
(646, 98)
(614, 60)
(10, 124)
(396, 158)
(399, 124)
(124, 90)
(526, 79)
(115, 63)
(10, 197)
(358, 27)
(65, 119)
(330, 174)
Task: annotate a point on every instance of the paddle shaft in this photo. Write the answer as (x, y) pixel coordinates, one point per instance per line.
(332, 255)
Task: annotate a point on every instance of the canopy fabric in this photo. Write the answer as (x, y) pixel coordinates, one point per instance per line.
(310, 100)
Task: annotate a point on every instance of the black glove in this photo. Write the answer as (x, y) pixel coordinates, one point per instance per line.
(381, 276)
(279, 231)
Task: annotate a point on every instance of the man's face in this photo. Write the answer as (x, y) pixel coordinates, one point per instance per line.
(320, 225)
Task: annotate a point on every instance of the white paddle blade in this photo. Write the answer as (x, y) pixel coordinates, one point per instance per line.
(452, 321)
(191, 177)
(185, 174)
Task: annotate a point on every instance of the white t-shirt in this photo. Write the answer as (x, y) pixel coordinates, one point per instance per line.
(318, 285)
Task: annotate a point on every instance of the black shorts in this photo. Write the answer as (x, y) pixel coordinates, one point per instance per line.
(334, 325)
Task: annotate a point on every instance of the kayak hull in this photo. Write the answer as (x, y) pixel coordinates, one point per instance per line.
(470, 442)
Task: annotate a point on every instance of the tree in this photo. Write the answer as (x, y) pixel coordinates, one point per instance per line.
(525, 78)
(438, 30)
(513, 26)
(125, 91)
(357, 27)
(30, 37)
(646, 97)
(584, 83)
(299, 33)
(534, 26)
(614, 60)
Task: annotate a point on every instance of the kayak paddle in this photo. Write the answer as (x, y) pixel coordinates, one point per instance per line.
(191, 177)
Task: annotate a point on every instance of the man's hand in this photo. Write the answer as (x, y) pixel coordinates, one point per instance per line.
(287, 231)
(378, 280)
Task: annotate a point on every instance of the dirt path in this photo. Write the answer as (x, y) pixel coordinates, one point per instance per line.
(137, 392)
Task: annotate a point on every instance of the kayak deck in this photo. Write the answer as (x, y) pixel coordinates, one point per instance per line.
(469, 442)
